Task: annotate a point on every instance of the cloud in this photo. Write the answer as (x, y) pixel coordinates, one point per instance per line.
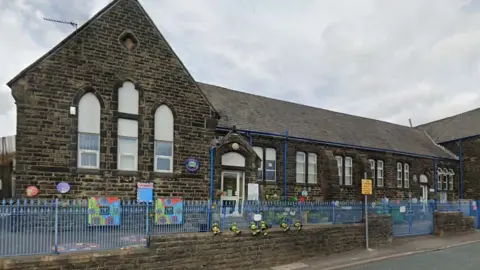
(386, 59)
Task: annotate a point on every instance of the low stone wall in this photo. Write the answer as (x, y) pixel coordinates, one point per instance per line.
(448, 223)
(225, 251)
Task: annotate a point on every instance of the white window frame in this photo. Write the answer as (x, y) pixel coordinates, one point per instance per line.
(163, 121)
(170, 158)
(92, 127)
(439, 179)
(302, 164)
(86, 151)
(259, 151)
(340, 168)
(312, 160)
(450, 180)
(372, 168)
(445, 179)
(348, 171)
(406, 175)
(130, 134)
(271, 152)
(399, 175)
(380, 172)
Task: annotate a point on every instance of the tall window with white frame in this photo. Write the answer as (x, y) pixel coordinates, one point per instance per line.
(340, 169)
(300, 168)
(312, 168)
(399, 175)
(127, 150)
(270, 164)
(450, 179)
(446, 175)
(259, 152)
(164, 130)
(380, 173)
(439, 179)
(406, 175)
(348, 171)
(89, 132)
(372, 168)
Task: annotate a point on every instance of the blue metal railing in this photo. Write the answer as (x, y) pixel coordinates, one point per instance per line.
(30, 227)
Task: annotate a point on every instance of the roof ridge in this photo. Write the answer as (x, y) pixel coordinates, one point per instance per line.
(448, 117)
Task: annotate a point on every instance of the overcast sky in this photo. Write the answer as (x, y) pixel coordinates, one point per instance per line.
(385, 59)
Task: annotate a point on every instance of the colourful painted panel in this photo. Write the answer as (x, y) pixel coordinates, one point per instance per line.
(103, 211)
(168, 210)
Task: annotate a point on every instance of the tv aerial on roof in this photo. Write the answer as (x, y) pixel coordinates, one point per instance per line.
(73, 24)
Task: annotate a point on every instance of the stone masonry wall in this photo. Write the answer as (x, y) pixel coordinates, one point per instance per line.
(205, 251)
(447, 223)
(327, 186)
(471, 165)
(96, 61)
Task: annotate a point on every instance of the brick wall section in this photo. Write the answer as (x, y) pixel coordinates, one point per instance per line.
(205, 251)
(471, 165)
(448, 223)
(95, 60)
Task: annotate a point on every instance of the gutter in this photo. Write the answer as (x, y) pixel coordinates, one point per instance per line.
(344, 145)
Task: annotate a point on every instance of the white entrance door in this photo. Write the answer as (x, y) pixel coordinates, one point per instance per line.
(233, 187)
(424, 192)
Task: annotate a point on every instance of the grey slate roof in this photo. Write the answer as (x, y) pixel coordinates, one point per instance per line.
(455, 127)
(257, 113)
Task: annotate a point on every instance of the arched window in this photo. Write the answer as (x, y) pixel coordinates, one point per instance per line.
(451, 174)
(127, 150)
(163, 139)
(439, 179)
(89, 132)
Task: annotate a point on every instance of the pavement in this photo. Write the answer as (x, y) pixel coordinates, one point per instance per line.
(421, 252)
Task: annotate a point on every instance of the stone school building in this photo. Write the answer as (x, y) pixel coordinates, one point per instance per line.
(112, 105)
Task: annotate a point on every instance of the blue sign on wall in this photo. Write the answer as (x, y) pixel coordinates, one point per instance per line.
(192, 165)
(145, 192)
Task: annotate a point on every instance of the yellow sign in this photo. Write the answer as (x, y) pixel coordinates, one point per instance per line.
(366, 187)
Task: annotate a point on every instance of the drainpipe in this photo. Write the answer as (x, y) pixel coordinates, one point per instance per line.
(285, 166)
(460, 165)
(435, 178)
(212, 159)
(250, 139)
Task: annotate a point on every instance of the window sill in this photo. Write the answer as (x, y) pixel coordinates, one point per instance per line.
(88, 171)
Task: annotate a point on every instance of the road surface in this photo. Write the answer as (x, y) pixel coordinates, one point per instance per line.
(460, 258)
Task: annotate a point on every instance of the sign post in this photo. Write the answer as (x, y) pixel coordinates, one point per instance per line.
(366, 190)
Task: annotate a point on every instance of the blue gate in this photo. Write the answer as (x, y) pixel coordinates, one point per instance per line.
(412, 218)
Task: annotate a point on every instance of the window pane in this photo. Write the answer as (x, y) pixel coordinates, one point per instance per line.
(127, 162)
(88, 159)
(348, 161)
(270, 154)
(312, 178)
(300, 167)
(127, 145)
(163, 149)
(88, 141)
(270, 164)
(300, 157)
(163, 164)
(312, 158)
(348, 180)
(312, 168)
(380, 182)
(300, 178)
(270, 175)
